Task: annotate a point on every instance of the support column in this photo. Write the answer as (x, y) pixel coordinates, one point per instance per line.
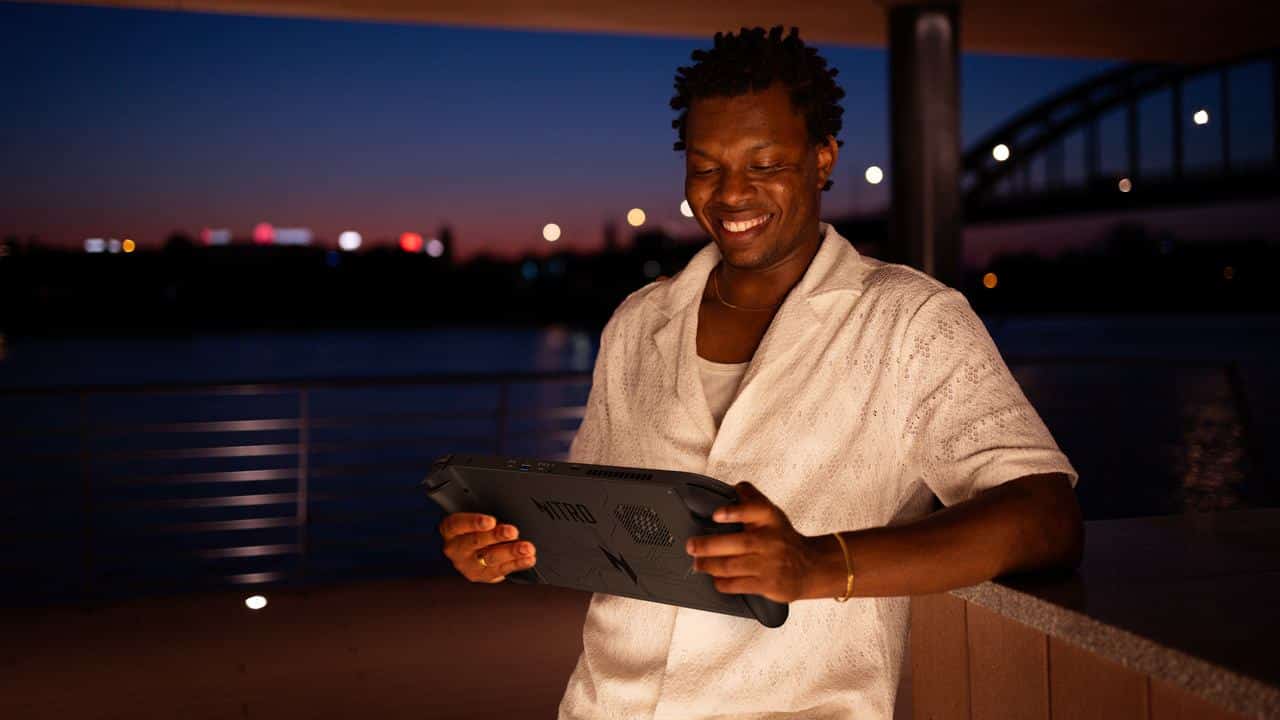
(924, 120)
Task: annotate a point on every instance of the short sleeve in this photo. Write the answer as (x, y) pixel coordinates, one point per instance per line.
(969, 427)
(590, 443)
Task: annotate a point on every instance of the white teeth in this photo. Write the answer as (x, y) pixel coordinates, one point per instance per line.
(744, 225)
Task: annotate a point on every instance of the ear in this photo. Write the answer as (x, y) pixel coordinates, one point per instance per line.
(828, 153)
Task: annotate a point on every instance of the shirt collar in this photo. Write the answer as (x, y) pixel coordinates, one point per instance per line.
(836, 267)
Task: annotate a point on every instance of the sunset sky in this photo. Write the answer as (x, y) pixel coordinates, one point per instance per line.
(139, 123)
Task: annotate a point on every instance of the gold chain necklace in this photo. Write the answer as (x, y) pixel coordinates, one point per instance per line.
(715, 285)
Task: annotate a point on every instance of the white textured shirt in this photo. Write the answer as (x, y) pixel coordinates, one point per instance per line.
(873, 389)
(720, 382)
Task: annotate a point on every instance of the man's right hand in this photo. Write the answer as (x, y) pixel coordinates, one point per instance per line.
(471, 536)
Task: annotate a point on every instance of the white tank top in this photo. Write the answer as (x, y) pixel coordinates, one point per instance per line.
(720, 384)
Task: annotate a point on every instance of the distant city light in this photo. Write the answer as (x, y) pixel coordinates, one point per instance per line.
(1228, 272)
(350, 240)
(1125, 185)
(332, 258)
(989, 281)
(874, 175)
(264, 234)
(529, 270)
(685, 210)
(551, 232)
(435, 248)
(113, 245)
(128, 245)
(635, 217)
(1000, 152)
(255, 602)
(411, 242)
(1201, 117)
(652, 269)
(293, 236)
(95, 245)
(218, 236)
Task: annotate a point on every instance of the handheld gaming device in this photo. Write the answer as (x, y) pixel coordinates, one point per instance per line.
(601, 528)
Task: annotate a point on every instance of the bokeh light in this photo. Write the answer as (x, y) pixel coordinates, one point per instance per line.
(874, 175)
(1201, 117)
(411, 242)
(989, 281)
(551, 232)
(635, 217)
(128, 245)
(1125, 185)
(264, 234)
(95, 245)
(350, 240)
(435, 248)
(255, 602)
(685, 210)
(1000, 152)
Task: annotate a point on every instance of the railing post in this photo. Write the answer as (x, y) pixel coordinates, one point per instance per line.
(303, 515)
(503, 392)
(1224, 94)
(1134, 144)
(87, 578)
(1176, 107)
(1275, 111)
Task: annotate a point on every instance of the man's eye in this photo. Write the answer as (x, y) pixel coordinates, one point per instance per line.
(703, 171)
(766, 168)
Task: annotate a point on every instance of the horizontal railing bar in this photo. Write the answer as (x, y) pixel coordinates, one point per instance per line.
(266, 387)
(217, 526)
(204, 502)
(223, 451)
(225, 476)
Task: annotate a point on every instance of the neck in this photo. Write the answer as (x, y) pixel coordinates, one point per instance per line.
(766, 287)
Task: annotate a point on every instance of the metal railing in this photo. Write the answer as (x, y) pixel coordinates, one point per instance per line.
(112, 491)
(118, 490)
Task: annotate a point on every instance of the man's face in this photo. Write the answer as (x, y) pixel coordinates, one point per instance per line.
(752, 177)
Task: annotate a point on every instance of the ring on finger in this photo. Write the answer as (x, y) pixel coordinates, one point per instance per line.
(483, 563)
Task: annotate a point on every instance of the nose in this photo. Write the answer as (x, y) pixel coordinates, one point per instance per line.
(734, 189)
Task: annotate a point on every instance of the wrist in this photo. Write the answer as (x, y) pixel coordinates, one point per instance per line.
(827, 576)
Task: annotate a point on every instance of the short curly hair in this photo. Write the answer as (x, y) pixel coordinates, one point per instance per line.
(753, 60)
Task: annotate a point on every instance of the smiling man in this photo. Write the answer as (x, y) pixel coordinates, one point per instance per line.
(840, 395)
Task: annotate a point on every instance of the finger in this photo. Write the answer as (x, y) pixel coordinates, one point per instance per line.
(729, 566)
(505, 559)
(459, 523)
(740, 543)
(746, 585)
(471, 542)
(753, 511)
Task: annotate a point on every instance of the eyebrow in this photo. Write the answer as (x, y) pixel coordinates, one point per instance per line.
(758, 146)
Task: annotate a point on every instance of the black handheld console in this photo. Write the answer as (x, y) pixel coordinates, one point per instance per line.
(601, 528)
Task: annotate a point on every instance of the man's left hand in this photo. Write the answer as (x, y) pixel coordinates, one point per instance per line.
(767, 558)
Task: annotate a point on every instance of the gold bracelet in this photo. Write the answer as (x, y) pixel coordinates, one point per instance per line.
(848, 586)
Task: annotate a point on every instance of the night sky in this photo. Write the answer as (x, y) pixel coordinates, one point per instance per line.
(139, 123)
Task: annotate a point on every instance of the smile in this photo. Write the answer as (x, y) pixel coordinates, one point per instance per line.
(744, 225)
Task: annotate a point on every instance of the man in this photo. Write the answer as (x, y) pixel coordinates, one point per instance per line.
(840, 394)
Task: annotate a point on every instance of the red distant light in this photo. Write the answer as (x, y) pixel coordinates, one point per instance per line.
(264, 234)
(205, 234)
(411, 242)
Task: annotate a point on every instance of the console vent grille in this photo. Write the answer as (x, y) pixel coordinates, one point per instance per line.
(643, 523)
(620, 474)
